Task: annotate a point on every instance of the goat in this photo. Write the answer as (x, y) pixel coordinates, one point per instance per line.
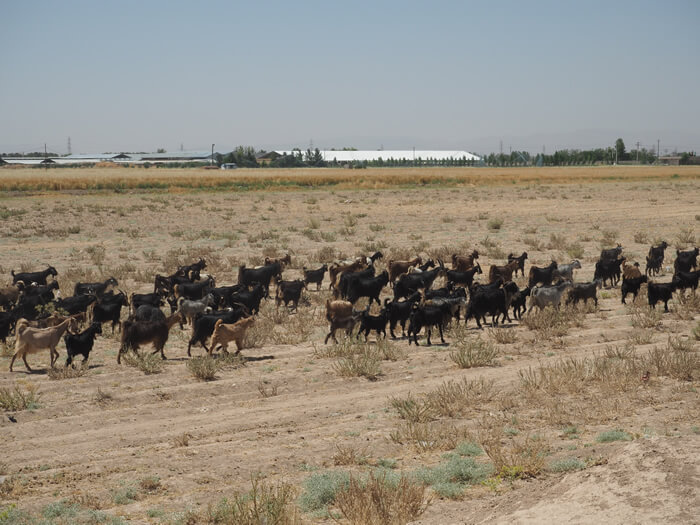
(7, 324)
(188, 309)
(608, 270)
(76, 304)
(410, 283)
(653, 265)
(370, 287)
(521, 262)
(631, 271)
(29, 307)
(192, 271)
(223, 294)
(151, 299)
(566, 271)
(336, 269)
(399, 312)
(611, 254)
(82, 343)
(263, 275)
(454, 302)
(423, 267)
(9, 295)
(32, 340)
(503, 272)
(249, 298)
(164, 284)
(685, 280)
(465, 278)
(660, 292)
(462, 263)
(686, 261)
(490, 300)
(518, 302)
(109, 308)
(33, 277)
(284, 261)
(94, 288)
(225, 333)
(289, 291)
(341, 315)
(370, 322)
(203, 325)
(397, 268)
(584, 292)
(193, 291)
(538, 275)
(631, 285)
(340, 291)
(544, 296)
(427, 316)
(43, 291)
(137, 333)
(315, 276)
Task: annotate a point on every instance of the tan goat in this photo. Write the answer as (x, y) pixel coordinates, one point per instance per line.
(630, 271)
(503, 272)
(341, 316)
(462, 263)
(32, 340)
(225, 333)
(397, 268)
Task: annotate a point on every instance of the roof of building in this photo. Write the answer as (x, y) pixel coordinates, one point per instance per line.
(371, 155)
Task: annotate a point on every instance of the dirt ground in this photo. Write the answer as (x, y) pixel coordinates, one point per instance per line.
(287, 412)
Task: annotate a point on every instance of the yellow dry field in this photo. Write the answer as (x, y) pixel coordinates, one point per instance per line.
(117, 444)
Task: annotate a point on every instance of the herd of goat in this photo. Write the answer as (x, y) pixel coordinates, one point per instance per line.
(222, 314)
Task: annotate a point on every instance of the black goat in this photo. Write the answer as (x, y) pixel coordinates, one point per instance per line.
(657, 253)
(7, 324)
(43, 291)
(262, 275)
(289, 291)
(109, 308)
(94, 288)
(249, 298)
(685, 280)
(193, 291)
(192, 271)
(410, 283)
(370, 322)
(151, 299)
(33, 277)
(660, 292)
(29, 307)
(521, 262)
(519, 302)
(608, 269)
(632, 286)
(346, 278)
(465, 278)
(82, 343)
(76, 304)
(222, 294)
(136, 333)
(369, 287)
(538, 275)
(490, 300)
(315, 276)
(611, 254)
(399, 312)
(654, 265)
(584, 292)
(203, 325)
(427, 316)
(164, 284)
(147, 312)
(686, 261)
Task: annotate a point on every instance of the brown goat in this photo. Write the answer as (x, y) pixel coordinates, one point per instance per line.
(10, 294)
(335, 270)
(136, 333)
(341, 316)
(630, 271)
(284, 261)
(462, 263)
(32, 340)
(397, 268)
(225, 333)
(503, 272)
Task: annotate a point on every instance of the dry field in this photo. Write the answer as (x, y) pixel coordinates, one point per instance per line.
(553, 420)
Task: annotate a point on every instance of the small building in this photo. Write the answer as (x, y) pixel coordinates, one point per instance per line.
(670, 160)
(229, 166)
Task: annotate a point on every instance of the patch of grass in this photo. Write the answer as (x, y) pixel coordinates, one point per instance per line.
(523, 459)
(148, 363)
(613, 435)
(428, 436)
(380, 500)
(320, 490)
(495, 224)
(575, 250)
(20, 397)
(349, 455)
(181, 440)
(467, 448)
(548, 323)
(641, 237)
(67, 372)
(685, 238)
(150, 484)
(473, 353)
(566, 465)
(450, 478)
(503, 335)
(203, 368)
(125, 494)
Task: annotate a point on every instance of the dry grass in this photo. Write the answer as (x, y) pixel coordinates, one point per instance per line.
(522, 459)
(381, 501)
(476, 352)
(20, 397)
(147, 362)
(349, 455)
(67, 372)
(429, 436)
(204, 368)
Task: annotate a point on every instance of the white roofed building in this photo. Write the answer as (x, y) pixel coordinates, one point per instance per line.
(347, 156)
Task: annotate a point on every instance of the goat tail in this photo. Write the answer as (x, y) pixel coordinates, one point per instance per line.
(90, 313)
(176, 291)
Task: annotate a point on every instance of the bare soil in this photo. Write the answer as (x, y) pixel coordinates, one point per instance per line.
(114, 425)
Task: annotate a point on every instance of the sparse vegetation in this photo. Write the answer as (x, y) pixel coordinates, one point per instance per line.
(146, 362)
(203, 368)
(19, 397)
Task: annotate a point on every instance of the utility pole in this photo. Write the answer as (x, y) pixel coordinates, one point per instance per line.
(69, 148)
(212, 154)
(45, 153)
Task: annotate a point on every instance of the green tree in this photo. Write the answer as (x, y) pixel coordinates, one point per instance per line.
(620, 148)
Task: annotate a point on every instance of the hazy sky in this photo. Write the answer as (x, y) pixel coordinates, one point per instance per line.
(120, 76)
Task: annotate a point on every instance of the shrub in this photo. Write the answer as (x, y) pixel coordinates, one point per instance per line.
(575, 250)
(321, 489)
(503, 335)
(474, 353)
(67, 372)
(380, 501)
(19, 398)
(495, 224)
(204, 367)
(613, 435)
(467, 448)
(451, 477)
(567, 465)
(524, 459)
(146, 362)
